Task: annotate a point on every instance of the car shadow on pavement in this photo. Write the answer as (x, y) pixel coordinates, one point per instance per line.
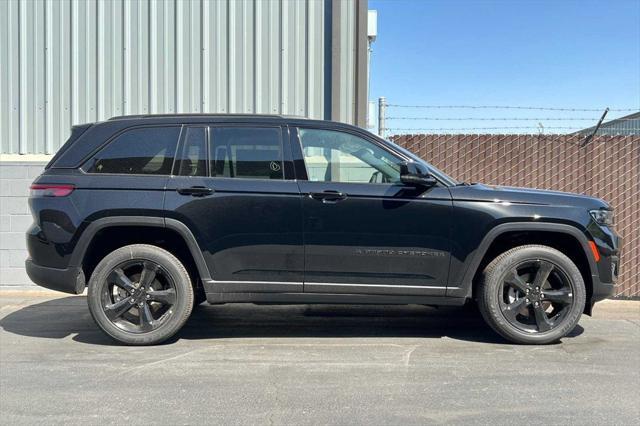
(69, 316)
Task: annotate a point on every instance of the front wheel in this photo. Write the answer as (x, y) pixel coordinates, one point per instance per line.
(140, 294)
(532, 294)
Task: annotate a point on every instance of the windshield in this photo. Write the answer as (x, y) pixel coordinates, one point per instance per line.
(448, 180)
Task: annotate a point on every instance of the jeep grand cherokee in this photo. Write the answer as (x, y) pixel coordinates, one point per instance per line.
(155, 214)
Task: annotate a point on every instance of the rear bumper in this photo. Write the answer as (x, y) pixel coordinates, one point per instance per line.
(70, 280)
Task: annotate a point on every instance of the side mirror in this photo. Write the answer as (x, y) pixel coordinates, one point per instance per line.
(416, 174)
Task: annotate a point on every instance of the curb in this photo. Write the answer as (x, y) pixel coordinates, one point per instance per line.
(617, 309)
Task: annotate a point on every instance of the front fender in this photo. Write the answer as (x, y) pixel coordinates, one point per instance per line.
(464, 287)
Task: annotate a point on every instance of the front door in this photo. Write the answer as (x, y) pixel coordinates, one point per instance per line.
(364, 231)
(229, 187)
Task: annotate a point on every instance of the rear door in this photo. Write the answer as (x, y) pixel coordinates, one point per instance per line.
(230, 188)
(365, 231)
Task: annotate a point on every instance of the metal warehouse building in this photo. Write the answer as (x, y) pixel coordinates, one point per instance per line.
(627, 125)
(69, 62)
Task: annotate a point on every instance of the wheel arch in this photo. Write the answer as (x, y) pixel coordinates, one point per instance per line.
(178, 233)
(505, 236)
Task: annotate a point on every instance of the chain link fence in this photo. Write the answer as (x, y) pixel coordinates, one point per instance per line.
(608, 167)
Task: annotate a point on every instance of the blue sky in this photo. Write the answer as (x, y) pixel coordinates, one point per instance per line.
(580, 54)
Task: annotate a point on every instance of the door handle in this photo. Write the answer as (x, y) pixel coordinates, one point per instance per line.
(328, 196)
(195, 191)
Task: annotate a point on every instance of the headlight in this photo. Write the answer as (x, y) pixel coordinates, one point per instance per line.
(602, 217)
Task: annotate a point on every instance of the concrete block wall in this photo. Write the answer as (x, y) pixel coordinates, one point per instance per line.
(15, 179)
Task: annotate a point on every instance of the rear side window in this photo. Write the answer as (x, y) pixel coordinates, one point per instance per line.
(246, 152)
(141, 151)
(192, 159)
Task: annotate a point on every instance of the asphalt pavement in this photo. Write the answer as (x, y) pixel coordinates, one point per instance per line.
(374, 365)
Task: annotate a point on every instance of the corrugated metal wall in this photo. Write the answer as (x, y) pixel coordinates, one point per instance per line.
(66, 62)
(347, 58)
(628, 125)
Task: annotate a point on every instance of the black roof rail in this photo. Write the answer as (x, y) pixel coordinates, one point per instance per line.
(143, 116)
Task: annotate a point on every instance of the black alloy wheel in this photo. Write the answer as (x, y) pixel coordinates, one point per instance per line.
(139, 296)
(532, 294)
(536, 296)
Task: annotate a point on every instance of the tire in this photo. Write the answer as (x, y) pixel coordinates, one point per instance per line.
(140, 295)
(522, 304)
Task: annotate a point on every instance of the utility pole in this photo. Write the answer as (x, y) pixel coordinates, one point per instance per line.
(382, 110)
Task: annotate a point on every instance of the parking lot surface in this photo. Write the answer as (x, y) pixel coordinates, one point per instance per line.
(239, 364)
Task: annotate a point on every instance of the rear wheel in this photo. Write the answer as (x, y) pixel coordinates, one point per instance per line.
(532, 294)
(140, 294)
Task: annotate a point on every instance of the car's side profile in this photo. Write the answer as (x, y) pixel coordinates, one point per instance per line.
(155, 214)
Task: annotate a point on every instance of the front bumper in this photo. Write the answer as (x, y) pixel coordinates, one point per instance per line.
(70, 280)
(604, 281)
(601, 290)
(607, 269)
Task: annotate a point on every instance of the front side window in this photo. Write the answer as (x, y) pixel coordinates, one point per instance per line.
(141, 151)
(333, 156)
(246, 152)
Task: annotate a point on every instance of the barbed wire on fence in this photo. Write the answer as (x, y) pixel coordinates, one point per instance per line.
(482, 128)
(573, 132)
(509, 119)
(540, 128)
(536, 108)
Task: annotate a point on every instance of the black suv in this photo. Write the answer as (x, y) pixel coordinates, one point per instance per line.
(156, 214)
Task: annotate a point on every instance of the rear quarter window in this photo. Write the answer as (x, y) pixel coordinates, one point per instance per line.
(140, 151)
(76, 132)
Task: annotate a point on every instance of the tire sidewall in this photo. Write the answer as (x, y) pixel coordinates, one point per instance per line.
(171, 265)
(492, 289)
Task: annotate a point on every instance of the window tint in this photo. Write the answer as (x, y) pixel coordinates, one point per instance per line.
(333, 156)
(144, 151)
(192, 160)
(246, 152)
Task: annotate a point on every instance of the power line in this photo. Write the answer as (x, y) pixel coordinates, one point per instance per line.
(512, 107)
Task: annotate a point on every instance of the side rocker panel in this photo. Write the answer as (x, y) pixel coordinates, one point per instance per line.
(333, 299)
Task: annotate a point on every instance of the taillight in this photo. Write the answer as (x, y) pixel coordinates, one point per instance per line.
(50, 190)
